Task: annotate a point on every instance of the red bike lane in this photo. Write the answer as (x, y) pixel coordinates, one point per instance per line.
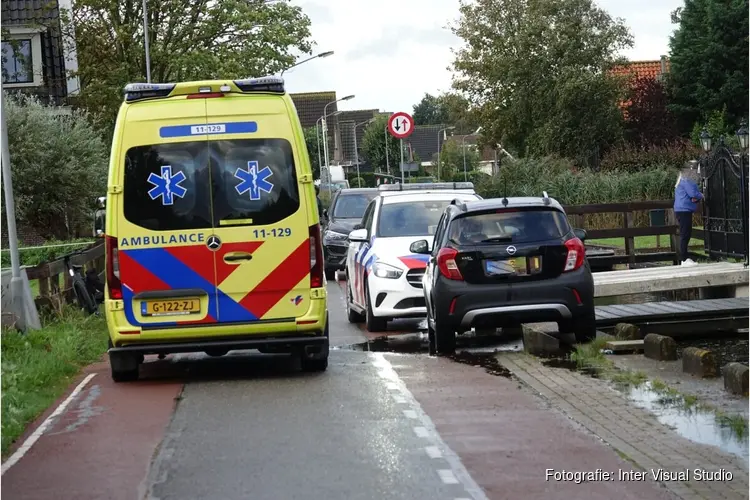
(100, 446)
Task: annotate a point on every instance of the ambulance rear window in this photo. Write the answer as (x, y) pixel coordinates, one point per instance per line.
(198, 184)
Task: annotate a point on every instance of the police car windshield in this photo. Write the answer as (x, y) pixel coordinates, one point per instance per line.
(351, 206)
(411, 218)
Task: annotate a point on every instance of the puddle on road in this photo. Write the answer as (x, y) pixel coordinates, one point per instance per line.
(697, 424)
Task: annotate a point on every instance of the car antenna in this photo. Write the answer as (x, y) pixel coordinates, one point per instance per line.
(505, 191)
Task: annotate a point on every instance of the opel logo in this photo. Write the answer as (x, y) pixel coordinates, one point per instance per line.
(511, 250)
(213, 243)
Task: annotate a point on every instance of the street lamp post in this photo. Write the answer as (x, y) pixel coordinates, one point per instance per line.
(463, 146)
(325, 137)
(318, 134)
(439, 148)
(742, 136)
(356, 149)
(316, 56)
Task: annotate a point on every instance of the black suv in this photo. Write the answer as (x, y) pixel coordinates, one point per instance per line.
(505, 262)
(347, 208)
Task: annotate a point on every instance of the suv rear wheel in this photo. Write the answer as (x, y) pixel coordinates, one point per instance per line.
(583, 327)
(445, 339)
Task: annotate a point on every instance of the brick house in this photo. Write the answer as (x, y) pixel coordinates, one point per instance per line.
(641, 69)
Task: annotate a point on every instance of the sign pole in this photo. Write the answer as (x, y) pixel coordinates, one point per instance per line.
(387, 164)
(401, 146)
(16, 282)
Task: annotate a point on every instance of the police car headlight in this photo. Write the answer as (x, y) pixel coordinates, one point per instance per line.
(382, 270)
(334, 236)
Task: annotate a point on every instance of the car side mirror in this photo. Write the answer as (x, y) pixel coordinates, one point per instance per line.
(325, 213)
(421, 246)
(580, 234)
(101, 202)
(359, 235)
(358, 226)
(99, 222)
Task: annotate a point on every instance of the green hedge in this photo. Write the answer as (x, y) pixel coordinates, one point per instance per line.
(36, 256)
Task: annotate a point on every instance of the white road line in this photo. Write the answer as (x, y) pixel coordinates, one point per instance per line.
(421, 432)
(26, 446)
(447, 477)
(457, 470)
(410, 414)
(393, 386)
(433, 452)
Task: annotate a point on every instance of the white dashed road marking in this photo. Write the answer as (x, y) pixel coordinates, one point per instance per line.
(438, 450)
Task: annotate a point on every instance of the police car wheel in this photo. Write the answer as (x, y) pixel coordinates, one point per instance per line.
(372, 322)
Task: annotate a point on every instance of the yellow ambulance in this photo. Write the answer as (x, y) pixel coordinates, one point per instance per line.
(212, 228)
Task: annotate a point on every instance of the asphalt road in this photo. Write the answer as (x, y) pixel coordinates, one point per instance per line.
(263, 430)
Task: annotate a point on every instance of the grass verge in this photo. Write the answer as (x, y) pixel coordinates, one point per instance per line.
(640, 242)
(589, 358)
(38, 366)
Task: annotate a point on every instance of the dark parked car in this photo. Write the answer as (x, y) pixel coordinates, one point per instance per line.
(505, 262)
(347, 208)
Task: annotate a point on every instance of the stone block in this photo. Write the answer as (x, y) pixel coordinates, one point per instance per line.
(736, 378)
(626, 331)
(540, 344)
(700, 362)
(624, 346)
(659, 347)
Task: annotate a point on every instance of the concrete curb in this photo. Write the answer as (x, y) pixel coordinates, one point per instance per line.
(659, 347)
(736, 378)
(700, 362)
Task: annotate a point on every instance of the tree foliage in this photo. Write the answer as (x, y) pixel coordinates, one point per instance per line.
(374, 147)
(314, 146)
(59, 166)
(536, 70)
(429, 111)
(452, 159)
(188, 40)
(449, 108)
(709, 61)
(649, 121)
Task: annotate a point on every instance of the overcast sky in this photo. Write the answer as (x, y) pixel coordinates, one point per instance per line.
(388, 53)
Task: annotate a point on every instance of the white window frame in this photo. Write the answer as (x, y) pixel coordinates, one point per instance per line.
(33, 34)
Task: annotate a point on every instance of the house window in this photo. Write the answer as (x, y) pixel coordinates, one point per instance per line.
(21, 57)
(18, 61)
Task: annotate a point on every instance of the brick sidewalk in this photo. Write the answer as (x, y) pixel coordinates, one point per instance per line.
(634, 432)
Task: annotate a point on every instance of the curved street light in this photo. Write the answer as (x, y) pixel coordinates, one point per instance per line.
(325, 136)
(316, 56)
(442, 131)
(356, 149)
(463, 146)
(317, 135)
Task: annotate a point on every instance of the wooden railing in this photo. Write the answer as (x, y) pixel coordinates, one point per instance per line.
(629, 230)
(51, 291)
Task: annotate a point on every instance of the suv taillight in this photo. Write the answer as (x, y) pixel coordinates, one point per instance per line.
(316, 257)
(113, 268)
(446, 261)
(576, 254)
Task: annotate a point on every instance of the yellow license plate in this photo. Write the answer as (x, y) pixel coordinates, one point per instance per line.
(170, 307)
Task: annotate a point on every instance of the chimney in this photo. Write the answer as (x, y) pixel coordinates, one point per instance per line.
(663, 65)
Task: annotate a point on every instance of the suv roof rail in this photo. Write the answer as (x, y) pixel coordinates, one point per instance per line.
(426, 186)
(140, 91)
(545, 197)
(459, 203)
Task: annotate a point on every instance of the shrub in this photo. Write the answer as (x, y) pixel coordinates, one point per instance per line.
(48, 253)
(59, 165)
(631, 158)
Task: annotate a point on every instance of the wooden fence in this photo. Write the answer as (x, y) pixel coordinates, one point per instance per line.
(51, 289)
(629, 230)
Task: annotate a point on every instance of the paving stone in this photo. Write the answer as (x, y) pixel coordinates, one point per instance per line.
(736, 378)
(700, 362)
(659, 347)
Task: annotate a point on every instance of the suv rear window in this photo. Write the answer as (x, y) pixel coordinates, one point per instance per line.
(352, 206)
(512, 226)
(207, 184)
(410, 218)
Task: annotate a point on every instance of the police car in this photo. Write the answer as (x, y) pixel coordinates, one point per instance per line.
(384, 278)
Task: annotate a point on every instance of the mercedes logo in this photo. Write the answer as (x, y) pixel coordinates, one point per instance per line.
(213, 243)
(511, 250)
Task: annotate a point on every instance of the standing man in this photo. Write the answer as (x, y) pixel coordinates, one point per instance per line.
(687, 195)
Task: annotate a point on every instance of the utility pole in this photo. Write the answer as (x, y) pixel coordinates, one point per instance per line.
(401, 145)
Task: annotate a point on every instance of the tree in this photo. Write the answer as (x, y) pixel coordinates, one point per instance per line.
(314, 147)
(709, 61)
(452, 159)
(188, 39)
(448, 108)
(59, 166)
(649, 121)
(537, 72)
(374, 147)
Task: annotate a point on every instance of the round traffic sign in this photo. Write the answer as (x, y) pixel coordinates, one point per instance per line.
(401, 125)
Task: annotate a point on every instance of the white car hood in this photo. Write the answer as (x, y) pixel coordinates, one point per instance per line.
(395, 251)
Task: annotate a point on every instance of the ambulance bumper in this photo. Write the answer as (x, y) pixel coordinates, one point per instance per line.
(233, 344)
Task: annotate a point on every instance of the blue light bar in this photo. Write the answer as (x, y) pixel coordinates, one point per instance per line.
(138, 91)
(274, 84)
(426, 186)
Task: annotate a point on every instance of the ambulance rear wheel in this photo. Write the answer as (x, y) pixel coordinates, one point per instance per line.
(331, 274)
